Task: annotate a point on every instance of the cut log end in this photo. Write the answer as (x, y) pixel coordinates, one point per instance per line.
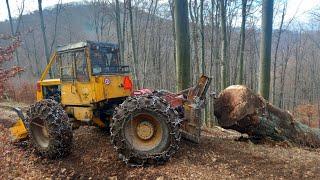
(239, 108)
(235, 103)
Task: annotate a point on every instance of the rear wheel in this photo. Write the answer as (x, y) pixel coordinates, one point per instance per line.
(145, 130)
(49, 129)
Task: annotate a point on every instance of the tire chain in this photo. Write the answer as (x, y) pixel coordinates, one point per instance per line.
(59, 127)
(158, 105)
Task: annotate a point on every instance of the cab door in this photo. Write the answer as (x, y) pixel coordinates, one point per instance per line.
(75, 83)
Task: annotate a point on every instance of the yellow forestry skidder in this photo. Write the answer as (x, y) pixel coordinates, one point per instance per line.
(85, 84)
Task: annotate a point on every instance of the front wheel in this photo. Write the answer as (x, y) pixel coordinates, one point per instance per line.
(49, 129)
(145, 130)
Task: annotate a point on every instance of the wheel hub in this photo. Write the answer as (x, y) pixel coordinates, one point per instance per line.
(40, 133)
(145, 130)
(45, 132)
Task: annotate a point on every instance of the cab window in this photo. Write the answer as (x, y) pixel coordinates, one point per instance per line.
(67, 73)
(81, 66)
(74, 66)
(105, 60)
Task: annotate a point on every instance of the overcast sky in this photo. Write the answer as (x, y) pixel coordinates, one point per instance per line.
(297, 8)
(30, 5)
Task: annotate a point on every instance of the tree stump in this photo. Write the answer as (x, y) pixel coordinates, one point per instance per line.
(239, 108)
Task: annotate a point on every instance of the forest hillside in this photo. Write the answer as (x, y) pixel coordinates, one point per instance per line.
(160, 89)
(294, 66)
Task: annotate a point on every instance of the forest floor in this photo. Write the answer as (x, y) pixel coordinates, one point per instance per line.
(220, 155)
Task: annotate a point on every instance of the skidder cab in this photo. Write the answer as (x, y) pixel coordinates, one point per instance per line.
(85, 73)
(86, 84)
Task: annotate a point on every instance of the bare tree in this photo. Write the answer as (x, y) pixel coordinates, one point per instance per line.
(14, 32)
(276, 54)
(54, 36)
(265, 48)
(6, 54)
(101, 17)
(43, 30)
(133, 45)
(119, 31)
(171, 4)
(285, 58)
(203, 64)
(182, 44)
(242, 40)
(223, 65)
(10, 17)
(145, 59)
(194, 16)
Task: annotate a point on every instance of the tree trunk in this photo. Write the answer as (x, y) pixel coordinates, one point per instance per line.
(318, 114)
(296, 73)
(193, 11)
(133, 44)
(240, 109)
(217, 51)
(43, 29)
(13, 33)
(58, 9)
(124, 23)
(119, 32)
(173, 30)
(210, 119)
(265, 48)
(242, 39)
(223, 68)
(145, 59)
(283, 78)
(33, 69)
(182, 44)
(276, 55)
(203, 63)
(159, 49)
(10, 17)
(35, 53)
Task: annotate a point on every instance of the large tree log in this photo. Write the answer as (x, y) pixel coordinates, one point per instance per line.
(239, 108)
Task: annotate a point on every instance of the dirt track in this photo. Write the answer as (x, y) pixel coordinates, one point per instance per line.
(218, 156)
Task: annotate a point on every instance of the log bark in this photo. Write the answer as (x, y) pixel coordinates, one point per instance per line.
(239, 108)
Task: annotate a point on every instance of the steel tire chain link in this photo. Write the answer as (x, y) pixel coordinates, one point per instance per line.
(135, 103)
(59, 127)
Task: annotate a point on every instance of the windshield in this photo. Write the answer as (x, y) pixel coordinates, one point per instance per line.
(105, 60)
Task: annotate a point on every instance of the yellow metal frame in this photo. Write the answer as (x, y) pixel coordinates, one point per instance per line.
(47, 82)
(18, 131)
(94, 90)
(46, 70)
(75, 93)
(78, 97)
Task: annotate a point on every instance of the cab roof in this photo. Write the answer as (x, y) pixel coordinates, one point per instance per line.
(83, 44)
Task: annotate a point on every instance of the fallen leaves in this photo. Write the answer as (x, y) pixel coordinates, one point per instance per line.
(218, 156)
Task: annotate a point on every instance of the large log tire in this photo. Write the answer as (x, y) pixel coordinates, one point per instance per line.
(145, 131)
(49, 129)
